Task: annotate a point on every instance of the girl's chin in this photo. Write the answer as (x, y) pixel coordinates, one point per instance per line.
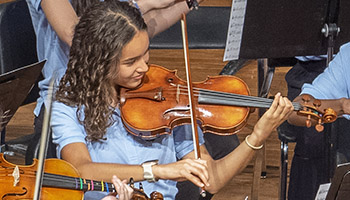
(133, 85)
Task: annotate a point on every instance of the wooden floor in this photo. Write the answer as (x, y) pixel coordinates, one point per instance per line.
(203, 63)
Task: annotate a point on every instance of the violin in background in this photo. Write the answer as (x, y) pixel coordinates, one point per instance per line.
(60, 181)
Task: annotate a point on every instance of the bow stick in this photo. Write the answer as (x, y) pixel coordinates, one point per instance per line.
(190, 93)
(44, 140)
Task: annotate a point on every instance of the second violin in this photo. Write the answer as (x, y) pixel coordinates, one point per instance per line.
(60, 181)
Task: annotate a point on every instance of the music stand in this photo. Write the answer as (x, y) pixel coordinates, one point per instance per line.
(339, 188)
(14, 88)
(280, 29)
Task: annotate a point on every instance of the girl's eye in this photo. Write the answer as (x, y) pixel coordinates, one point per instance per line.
(129, 62)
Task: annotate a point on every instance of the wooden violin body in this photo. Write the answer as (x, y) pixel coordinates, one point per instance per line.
(24, 188)
(162, 103)
(60, 181)
(222, 105)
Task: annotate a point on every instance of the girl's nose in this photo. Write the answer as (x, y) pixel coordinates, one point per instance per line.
(143, 66)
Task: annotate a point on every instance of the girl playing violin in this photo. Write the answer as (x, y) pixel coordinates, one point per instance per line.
(109, 52)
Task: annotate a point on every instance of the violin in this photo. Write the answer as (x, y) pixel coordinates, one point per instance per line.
(222, 104)
(60, 181)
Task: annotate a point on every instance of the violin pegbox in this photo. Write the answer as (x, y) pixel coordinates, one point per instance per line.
(312, 111)
(139, 193)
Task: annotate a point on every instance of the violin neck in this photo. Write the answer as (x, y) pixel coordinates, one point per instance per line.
(67, 182)
(230, 99)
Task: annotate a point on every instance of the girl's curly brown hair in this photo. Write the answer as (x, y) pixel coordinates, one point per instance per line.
(101, 34)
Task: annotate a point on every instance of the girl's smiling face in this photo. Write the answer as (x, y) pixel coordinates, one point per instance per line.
(133, 63)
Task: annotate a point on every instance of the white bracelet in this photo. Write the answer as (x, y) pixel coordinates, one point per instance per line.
(251, 146)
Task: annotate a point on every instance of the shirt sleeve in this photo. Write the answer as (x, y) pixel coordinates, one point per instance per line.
(184, 140)
(66, 128)
(35, 4)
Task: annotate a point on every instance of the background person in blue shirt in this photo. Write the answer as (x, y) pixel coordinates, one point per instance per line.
(309, 167)
(110, 51)
(311, 164)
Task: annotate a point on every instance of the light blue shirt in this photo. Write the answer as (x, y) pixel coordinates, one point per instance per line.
(311, 58)
(122, 147)
(334, 82)
(50, 48)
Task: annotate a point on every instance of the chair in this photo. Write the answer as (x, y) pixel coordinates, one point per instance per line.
(17, 49)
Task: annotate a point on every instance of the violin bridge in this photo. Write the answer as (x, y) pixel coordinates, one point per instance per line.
(16, 176)
(178, 93)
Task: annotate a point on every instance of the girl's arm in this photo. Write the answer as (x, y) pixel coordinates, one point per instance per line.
(223, 170)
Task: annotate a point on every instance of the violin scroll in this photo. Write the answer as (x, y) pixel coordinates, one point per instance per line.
(139, 194)
(312, 111)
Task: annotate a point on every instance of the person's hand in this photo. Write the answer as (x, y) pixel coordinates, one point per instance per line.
(279, 111)
(346, 105)
(194, 170)
(124, 191)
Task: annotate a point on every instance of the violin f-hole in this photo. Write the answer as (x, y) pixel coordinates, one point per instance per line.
(15, 194)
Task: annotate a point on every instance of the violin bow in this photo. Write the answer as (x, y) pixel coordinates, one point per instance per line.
(44, 140)
(190, 93)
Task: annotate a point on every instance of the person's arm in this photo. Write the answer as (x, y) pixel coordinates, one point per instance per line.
(340, 106)
(78, 155)
(147, 5)
(61, 17)
(158, 20)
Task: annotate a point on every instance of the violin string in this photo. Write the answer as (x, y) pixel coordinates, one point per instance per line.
(72, 181)
(226, 94)
(56, 179)
(239, 99)
(231, 96)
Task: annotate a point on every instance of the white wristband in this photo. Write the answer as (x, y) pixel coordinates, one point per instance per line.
(147, 170)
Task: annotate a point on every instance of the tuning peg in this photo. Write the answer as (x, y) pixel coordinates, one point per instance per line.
(141, 186)
(131, 182)
(306, 98)
(156, 196)
(308, 121)
(317, 103)
(319, 127)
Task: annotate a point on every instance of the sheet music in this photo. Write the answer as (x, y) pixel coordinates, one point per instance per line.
(235, 29)
(322, 191)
